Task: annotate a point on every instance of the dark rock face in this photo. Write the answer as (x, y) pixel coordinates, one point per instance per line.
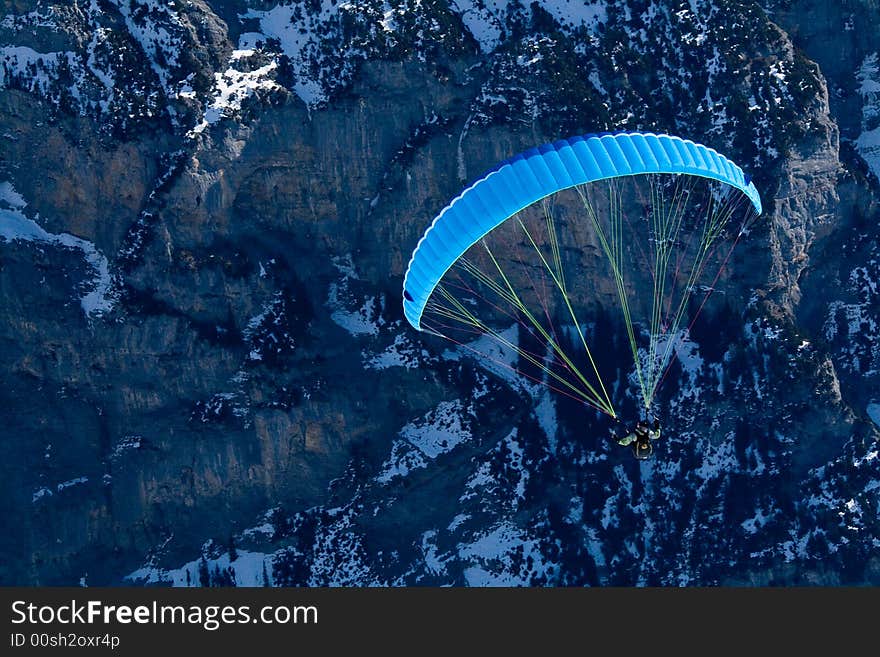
(206, 211)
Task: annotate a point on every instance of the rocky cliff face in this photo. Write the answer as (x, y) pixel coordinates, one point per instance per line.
(206, 210)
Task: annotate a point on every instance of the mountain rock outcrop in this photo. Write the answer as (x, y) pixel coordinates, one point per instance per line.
(206, 212)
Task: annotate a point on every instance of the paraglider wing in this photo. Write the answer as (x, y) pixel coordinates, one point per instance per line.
(540, 172)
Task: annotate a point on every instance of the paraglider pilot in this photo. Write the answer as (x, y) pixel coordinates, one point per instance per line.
(641, 438)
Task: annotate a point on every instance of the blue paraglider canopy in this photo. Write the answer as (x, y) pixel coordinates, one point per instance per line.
(539, 172)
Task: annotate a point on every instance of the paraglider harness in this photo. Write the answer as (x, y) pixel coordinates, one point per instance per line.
(641, 438)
